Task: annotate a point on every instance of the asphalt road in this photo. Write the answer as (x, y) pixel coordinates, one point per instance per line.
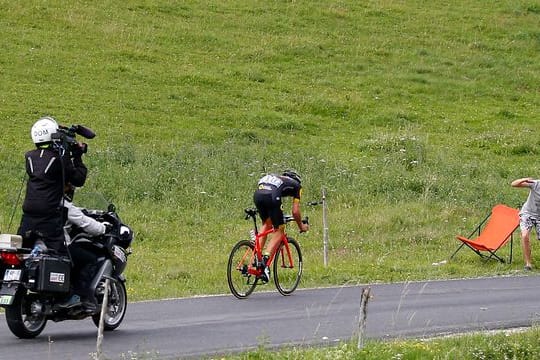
(206, 326)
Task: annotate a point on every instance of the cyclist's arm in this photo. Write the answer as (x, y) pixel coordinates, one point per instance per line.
(297, 215)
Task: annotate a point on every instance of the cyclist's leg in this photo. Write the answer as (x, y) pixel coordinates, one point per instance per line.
(267, 224)
(263, 202)
(267, 251)
(277, 235)
(276, 215)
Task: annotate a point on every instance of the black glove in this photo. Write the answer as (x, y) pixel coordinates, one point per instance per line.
(77, 150)
(108, 227)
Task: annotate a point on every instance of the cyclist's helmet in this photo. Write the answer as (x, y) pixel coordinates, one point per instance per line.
(293, 175)
(43, 129)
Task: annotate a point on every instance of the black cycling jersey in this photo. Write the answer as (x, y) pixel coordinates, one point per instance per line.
(281, 186)
(270, 190)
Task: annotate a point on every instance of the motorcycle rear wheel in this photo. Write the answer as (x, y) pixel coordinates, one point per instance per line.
(116, 305)
(20, 319)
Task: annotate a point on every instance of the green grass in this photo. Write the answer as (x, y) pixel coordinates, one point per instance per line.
(502, 345)
(486, 346)
(415, 116)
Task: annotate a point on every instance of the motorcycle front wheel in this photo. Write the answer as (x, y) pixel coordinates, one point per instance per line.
(23, 318)
(116, 304)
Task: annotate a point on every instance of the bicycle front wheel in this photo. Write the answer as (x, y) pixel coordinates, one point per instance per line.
(241, 282)
(288, 267)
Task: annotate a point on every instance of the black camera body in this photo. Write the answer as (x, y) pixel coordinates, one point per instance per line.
(65, 137)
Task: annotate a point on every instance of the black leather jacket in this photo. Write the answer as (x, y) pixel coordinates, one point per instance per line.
(44, 188)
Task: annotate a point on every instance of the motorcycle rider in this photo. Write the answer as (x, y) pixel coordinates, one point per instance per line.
(49, 167)
(83, 259)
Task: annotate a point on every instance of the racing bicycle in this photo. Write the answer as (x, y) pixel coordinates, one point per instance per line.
(245, 266)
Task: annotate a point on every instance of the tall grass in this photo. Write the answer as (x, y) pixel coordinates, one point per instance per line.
(414, 116)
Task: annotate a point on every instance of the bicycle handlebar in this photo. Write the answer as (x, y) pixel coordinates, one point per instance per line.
(289, 218)
(252, 212)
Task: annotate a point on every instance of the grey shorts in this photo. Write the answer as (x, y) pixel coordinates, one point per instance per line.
(527, 222)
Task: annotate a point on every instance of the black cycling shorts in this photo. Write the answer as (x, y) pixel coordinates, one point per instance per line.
(269, 206)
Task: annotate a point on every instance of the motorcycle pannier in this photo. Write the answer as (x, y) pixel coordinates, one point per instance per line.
(50, 274)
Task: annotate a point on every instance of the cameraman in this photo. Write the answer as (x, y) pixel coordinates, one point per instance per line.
(50, 166)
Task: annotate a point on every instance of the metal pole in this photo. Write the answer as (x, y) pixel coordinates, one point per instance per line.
(325, 229)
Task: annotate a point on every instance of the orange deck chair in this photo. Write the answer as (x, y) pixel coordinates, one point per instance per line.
(492, 233)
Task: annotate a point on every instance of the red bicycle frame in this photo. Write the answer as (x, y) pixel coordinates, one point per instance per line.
(257, 252)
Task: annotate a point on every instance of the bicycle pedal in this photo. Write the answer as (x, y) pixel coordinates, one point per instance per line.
(264, 278)
(244, 270)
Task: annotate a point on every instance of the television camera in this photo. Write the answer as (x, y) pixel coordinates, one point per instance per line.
(65, 137)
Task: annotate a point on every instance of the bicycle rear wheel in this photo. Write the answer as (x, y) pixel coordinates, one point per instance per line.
(241, 282)
(288, 267)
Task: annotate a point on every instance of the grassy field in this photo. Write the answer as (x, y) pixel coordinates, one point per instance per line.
(415, 117)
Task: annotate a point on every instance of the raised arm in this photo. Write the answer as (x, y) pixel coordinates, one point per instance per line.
(523, 182)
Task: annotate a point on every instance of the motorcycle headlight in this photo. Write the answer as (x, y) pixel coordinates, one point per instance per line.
(126, 236)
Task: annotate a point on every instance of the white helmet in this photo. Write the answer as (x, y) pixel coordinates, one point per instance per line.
(43, 129)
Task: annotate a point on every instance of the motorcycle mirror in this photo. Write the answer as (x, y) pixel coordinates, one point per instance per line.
(111, 208)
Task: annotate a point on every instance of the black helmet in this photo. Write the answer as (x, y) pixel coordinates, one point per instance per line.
(293, 175)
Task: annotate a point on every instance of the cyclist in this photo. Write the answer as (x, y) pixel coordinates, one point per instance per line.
(267, 198)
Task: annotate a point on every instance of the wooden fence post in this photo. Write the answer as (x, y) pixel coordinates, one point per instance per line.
(364, 297)
(99, 350)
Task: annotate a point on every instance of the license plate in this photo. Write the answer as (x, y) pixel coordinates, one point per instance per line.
(58, 278)
(119, 253)
(6, 299)
(12, 274)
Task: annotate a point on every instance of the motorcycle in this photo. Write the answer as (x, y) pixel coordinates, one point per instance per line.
(34, 287)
